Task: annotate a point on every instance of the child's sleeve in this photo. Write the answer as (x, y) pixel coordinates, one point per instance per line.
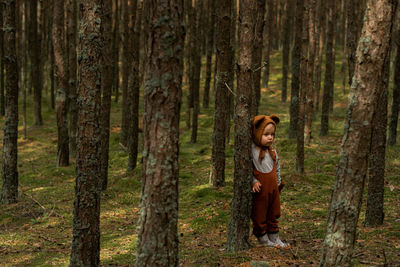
(278, 169)
(255, 180)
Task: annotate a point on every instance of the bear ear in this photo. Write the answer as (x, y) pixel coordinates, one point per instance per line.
(275, 119)
(257, 121)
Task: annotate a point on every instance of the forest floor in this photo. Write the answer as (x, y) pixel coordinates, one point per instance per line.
(37, 231)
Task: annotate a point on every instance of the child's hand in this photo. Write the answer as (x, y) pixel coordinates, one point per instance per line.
(256, 187)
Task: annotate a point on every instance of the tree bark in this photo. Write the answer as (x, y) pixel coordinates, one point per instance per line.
(86, 228)
(257, 54)
(34, 44)
(345, 204)
(134, 86)
(116, 44)
(209, 52)
(309, 105)
(224, 62)
(2, 104)
(9, 190)
(238, 227)
(319, 36)
(72, 74)
(296, 55)
(157, 232)
(267, 42)
(106, 88)
(61, 84)
(286, 21)
(329, 68)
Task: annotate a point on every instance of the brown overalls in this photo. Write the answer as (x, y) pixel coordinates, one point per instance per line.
(266, 204)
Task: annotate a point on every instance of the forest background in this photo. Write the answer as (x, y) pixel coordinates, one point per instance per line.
(37, 230)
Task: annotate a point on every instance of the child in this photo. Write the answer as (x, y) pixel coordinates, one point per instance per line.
(267, 183)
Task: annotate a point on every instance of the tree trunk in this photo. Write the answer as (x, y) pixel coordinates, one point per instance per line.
(72, 75)
(86, 228)
(319, 36)
(374, 214)
(351, 35)
(309, 105)
(224, 62)
(238, 227)
(345, 204)
(267, 42)
(24, 60)
(34, 44)
(296, 55)
(61, 84)
(394, 116)
(2, 104)
(304, 84)
(209, 53)
(106, 88)
(157, 232)
(287, 14)
(134, 86)
(126, 62)
(116, 43)
(257, 54)
(9, 190)
(194, 82)
(329, 68)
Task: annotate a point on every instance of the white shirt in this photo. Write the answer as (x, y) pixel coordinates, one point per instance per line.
(267, 163)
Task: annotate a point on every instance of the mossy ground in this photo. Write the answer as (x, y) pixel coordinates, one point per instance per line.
(37, 231)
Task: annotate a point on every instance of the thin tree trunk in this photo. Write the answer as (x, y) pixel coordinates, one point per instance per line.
(351, 35)
(72, 74)
(257, 54)
(134, 86)
(2, 104)
(309, 105)
(296, 55)
(106, 88)
(24, 59)
(62, 85)
(304, 83)
(345, 204)
(319, 36)
(329, 68)
(116, 43)
(224, 62)
(190, 12)
(267, 42)
(86, 228)
(209, 52)
(34, 44)
(159, 212)
(9, 190)
(287, 14)
(238, 227)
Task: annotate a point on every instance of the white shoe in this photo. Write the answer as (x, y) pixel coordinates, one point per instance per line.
(264, 240)
(274, 238)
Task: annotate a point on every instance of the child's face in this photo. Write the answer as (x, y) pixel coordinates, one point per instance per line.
(268, 135)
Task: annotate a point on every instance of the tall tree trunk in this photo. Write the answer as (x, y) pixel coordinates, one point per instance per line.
(194, 82)
(134, 86)
(116, 44)
(106, 88)
(209, 53)
(2, 104)
(162, 100)
(309, 105)
(86, 228)
(224, 62)
(374, 214)
(24, 60)
(287, 14)
(257, 54)
(9, 190)
(44, 33)
(34, 44)
(345, 204)
(190, 21)
(394, 112)
(267, 42)
(296, 55)
(351, 35)
(52, 69)
(304, 83)
(61, 84)
(72, 75)
(319, 36)
(238, 227)
(126, 62)
(329, 68)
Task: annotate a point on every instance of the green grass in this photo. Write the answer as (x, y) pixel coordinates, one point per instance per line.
(37, 231)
